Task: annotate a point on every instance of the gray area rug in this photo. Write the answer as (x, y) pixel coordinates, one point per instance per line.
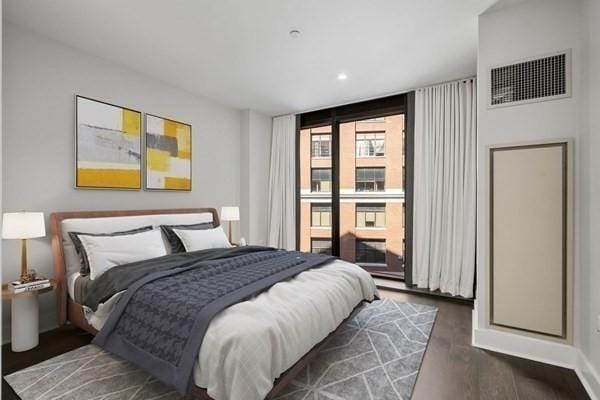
(376, 355)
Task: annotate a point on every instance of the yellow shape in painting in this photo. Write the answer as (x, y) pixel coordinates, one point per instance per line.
(178, 183)
(184, 141)
(158, 160)
(170, 128)
(131, 122)
(108, 178)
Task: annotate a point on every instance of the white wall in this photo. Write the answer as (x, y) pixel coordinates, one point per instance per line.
(1, 182)
(41, 78)
(526, 29)
(589, 288)
(254, 174)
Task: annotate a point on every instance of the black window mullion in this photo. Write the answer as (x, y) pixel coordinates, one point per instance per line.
(408, 186)
(335, 184)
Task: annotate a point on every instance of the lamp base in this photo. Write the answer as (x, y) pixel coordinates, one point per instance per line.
(25, 323)
(24, 260)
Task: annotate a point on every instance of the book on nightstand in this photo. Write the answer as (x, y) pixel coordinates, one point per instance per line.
(37, 284)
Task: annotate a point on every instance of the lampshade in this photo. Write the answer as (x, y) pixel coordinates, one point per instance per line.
(230, 213)
(23, 225)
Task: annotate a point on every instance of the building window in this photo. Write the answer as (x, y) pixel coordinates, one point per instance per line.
(370, 251)
(376, 119)
(370, 215)
(370, 144)
(320, 214)
(320, 180)
(370, 179)
(320, 246)
(320, 145)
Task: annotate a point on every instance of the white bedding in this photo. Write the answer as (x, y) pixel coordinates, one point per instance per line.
(248, 345)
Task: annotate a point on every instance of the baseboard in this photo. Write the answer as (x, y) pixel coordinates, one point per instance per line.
(589, 377)
(559, 354)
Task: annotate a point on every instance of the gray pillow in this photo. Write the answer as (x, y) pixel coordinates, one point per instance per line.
(83, 259)
(173, 239)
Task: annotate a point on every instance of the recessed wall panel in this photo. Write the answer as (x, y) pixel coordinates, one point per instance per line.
(528, 237)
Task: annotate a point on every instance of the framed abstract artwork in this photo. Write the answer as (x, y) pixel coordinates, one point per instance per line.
(168, 154)
(108, 146)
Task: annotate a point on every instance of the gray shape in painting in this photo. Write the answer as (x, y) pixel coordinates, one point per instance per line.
(162, 142)
(107, 145)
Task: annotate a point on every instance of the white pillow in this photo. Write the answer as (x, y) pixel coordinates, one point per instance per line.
(105, 252)
(201, 239)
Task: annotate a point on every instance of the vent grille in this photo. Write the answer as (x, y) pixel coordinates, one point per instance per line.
(538, 79)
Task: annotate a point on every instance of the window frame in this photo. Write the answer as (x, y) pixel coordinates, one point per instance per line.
(312, 214)
(312, 180)
(312, 239)
(375, 226)
(356, 181)
(371, 262)
(375, 133)
(373, 120)
(403, 103)
(320, 156)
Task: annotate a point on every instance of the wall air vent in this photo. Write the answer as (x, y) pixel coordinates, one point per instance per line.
(531, 80)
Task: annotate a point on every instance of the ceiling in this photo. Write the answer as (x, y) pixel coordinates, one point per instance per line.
(240, 53)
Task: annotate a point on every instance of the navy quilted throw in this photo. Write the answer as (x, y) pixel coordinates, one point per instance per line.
(160, 321)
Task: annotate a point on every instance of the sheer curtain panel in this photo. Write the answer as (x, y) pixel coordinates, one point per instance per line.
(282, 184)
(444, 221)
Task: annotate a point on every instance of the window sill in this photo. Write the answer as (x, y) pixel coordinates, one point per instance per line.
(368, 157)
(371, 264)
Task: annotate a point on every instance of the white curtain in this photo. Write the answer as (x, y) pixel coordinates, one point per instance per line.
(282, 184)
(444, 221)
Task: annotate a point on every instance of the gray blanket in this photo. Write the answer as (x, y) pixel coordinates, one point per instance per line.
(119, 278)
(160, 322)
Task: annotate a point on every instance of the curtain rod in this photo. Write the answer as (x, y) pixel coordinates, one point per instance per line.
(378, 96)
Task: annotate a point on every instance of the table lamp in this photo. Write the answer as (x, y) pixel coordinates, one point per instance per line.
(230, 214)
(23, 225)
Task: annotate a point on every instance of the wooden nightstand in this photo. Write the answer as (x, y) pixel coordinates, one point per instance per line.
(25, 316)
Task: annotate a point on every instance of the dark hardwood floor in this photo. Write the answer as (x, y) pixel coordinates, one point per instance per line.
(452, 369)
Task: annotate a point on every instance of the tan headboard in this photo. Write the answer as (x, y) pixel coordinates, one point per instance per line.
(57, 248)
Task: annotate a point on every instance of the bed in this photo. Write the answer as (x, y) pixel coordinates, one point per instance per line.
(251, 349)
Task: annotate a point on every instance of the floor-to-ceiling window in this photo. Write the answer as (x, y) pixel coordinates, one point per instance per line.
(315, 175)
(353, 192)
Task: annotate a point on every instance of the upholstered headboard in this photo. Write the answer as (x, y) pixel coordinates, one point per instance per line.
(107, 221)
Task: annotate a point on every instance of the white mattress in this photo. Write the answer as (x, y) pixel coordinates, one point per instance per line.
(250, 344)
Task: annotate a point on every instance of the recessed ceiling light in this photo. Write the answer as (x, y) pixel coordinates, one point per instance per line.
(342, 76)
(295, 33)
